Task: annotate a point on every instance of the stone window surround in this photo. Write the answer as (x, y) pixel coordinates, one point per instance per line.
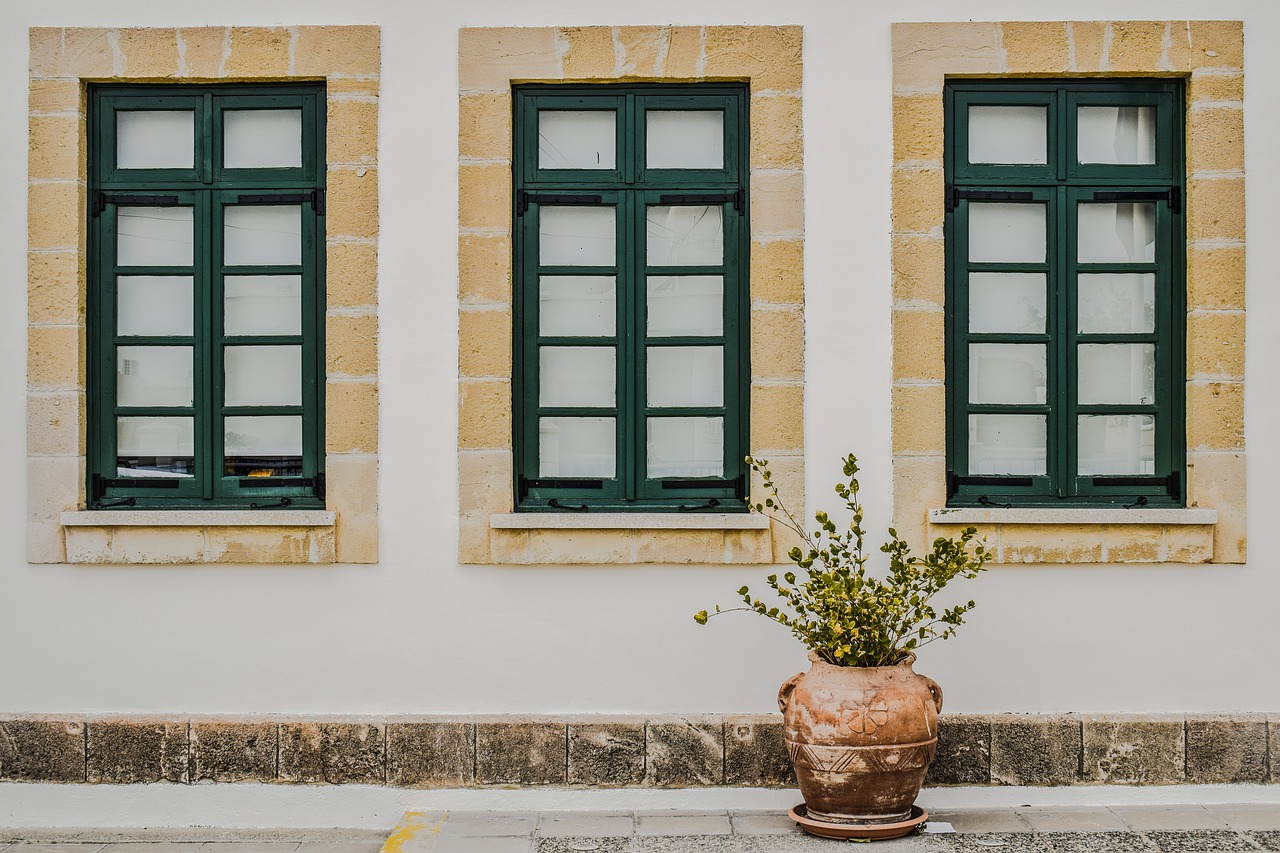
(490, 61)
(1210, 55)
(62, 62)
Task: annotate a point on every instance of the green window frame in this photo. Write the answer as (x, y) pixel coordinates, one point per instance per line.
(1078, 401)
(651, 444)
(248, 437)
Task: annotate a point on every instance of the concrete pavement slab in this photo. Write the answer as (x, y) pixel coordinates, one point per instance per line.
(1249, 815)
(584, 825)
(1201, 841)
(688, 824)
(1172, 818)
(1081, 819)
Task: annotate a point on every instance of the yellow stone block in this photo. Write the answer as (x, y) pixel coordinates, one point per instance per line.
(484, 415)
(56, 96)
(484, 125)
(1215, 140)
(473, 539)
(55, 484)
(72, 52)
(777, 271)
(1215, 87)
(1050, 543)
(784, 539)
(484, 196)
(484, 268)
(1193, 543)
(55, 358)
(1218, 481)
(747, 547)
(769, 56)
(641, 47)
(788, 478)
(1215, 209)
(579, 547)
(485, 484)
(777, 417)
(918, 345)
(200, 52)
(777, 204)
(678, 547)
(55, 148)
(777, 132)
(352, 203)
(777, 344)
(919, 419)
(150, 53)
(484, 343)
(1217, 44)
(919, 268)
(1215, 277)
(1089, 38)
(491, 58)
(352, 86)
(351, 491)
(590, 53)
(351, 417)
(506, 547)
(282, 545)
(55, 288)
(1133, 543)
(1215, 346)
(159, 545)
(351, 274)
(55, 424)
(351, 345)
(345, 51)
(1136, 46)
(1036, 47)
(684, 51)
(351, 132)
(918, 200)
(55, 213)
(258, 52)
(86, 545)
(1215, 416)
(924, 53)
(919, 485)
(917, 128)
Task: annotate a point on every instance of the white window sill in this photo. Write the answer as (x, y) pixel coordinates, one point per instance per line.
(629, 521)
(199, 518)
(1081, 515)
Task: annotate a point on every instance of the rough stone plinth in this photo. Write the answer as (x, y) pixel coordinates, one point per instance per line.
(964, 752)
(521, 753)
(431, 755)
(234, 752)
(606, 753)
(1226, 749)
(335, 753)
(40, 751)
(1133, 751)
(755, 753)
(127, 751)
(685, 752)
(1035, 750)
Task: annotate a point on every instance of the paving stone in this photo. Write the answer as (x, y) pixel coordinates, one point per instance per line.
(1264, 816)
(964, 751)
(1269, 840)
(584, 825)
(1072, 819)
(1226, 749)
(755, 753)
(982, 820)
(686, 824)
(1005, 842)
(1039, 750)
(1273, 747)
(1096, 842)
(41, 751)
(606, 754)
(234, 752)
(576, 845)
(763, 823)
(39, 847)
(491, 824)
(334, 753)
(475, 844)
(1201, 841)
(1120, 750)
(805, 843)
(431, 755)
(700, 844)
(340, 846)
(689, 752)
(238, 847)
(1145, 818)
(521, 753)
(121, 752)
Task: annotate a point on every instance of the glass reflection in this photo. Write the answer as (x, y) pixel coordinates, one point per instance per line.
(155, 447)
(1006, 233)
(1117, 373)
(577, 236)
(154, 376)
(684, 447)
(1117, 444)
(155, 139)
(262, 446)
(576, 139)
(154, 305)
(1008, 135)
(1012, 302)
(1007, 373)
(1110, 233)
(154, 236)
(1119, 135)
(684, 139)
(1007, 444)
(576, 447)
(684, 236)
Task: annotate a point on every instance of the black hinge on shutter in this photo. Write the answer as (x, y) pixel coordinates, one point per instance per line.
(736, 484)
(315, 198)
(734, 197)
(525, 198)
(1173, 196)
(1172, 484)
(954, 195)
(100, 200)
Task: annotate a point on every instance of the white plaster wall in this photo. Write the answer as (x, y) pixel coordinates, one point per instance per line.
(418, 633)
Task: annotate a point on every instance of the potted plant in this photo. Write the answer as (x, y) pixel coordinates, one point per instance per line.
(861, 727)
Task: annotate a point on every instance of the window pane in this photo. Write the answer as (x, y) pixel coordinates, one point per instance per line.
(576, 139)
(263, 376)
(154, 376)
(685, 139)
(1006, 233)
(684, 447)
(154, 236)
(1010, 135)
(1117, 373)
(153, 305)
(1116, 232)
(262, 305)
(261, 139)
(685, 376)
(577, 236)
(580, 305)
(576, 447)
(155, 447)
(1123, 135)
(1117, 444)
(268, 235)
(155, 139)
(1007, 302)
(684, 305)
(576, 376)
(1116, 303)
(1007, 444)
(269, 446)
(1007, 373)
(684, 236)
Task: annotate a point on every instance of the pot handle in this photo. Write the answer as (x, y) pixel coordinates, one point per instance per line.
(934, 690)
(784, 692)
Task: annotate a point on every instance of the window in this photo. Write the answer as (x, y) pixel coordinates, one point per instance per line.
(630, 307)
(206, 296)
(1065, 287)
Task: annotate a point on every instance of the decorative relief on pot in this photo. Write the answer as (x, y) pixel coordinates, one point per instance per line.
(861, 759)
(867, 714)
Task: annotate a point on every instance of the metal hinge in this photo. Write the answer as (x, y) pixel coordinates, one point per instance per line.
(315, 198)
(100, 200)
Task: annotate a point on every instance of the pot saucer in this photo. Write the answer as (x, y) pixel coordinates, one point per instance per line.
(868, 831)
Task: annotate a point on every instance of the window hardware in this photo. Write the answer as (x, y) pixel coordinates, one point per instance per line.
(315, 198)
(561, 483)
(954, 482)
(1173, 196)
(986, 501)
(114, 504)
(954, 194)
(1171, 484)
(281, 503)
(315, 484)
(711, 504)
(528, 198)
(735, 483)
(724, 198)
(554, 503)
(101, 200)
(1141, 501)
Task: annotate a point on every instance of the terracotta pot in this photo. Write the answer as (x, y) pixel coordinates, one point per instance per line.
(861, 738)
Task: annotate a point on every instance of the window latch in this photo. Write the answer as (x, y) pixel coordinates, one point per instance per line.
(283, 502)
(711, 504)
(986, 501)
(554, 503)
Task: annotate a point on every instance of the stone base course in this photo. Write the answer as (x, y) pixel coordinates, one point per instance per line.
(608, 751)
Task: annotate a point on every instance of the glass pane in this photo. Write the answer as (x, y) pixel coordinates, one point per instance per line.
(685, 305)
(1010, 135)
(576, 376)
(262, 305)
(154, 236)
(1116, 302)
(153, 305)
(1116, 232)
(261, 139)
(1007, 373)
(684, 447)
(577, 236)
(687, 139)
(580, 305)
(1006, 233)
(1117, 444)
(262, 446)
(155, 447)
(263, 376)
(577, 447)
(685, 376)
(1123, 135)
(1117, 373)
(1007, 302)
(684, 236)
(576, 139)
(154, 376)
(1007, 444)
(266, 235)
(155, 139)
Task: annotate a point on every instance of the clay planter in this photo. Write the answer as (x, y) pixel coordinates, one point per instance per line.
(861, 738)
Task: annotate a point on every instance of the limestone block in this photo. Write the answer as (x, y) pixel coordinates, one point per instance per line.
(484, 196)
(1215, 277)
(473, 539)
(923, 53)
(919, 269)
(1132, 750)
(158, 545)
(1089, 38)
(1218, 480)
(777, 271)
(201, 51)
(769, 56)
(233, 752)
(1226, 749)
(351, 202)
(919, 419)
(484, 125)
(590, 53)
(684, 753)
(352, 492)
(351, 131)
(755, 752)
(1133, 543)
(127, 751)
(1273, 747)
(1217, 44)
(1035, 47)
(284, 545)
(366, 86)
(56, 96)
(1050, 543)
(55, 358)
(258, 52)
(777, 204)
(918, 199)
(484, 414)
(964, 751)
(351, 274)
(579, 547)
(149, 53)
(777, 344)
(72, 52)
(681, 547)
(345, 51)
(1215, 346)
(1215, 209)
(55, 288)
(431, 755)
(641, 48)
(54, 424)
(484, 268)
(684, 53)
(1215, 416)
(351, 417)
(777, 417)
(1035, 750)
(506, 547)
(54, 214)
(1193, 543)
(777, 133)
(484, 343)
(351, 345)
(919, 485)
(747, 547)
(485, 484)
(917, 345)
(491, 58)
(1215, 139)
(1215, 87)
(606, 754)
(333, 753)
(41, 751)
(1136, 46)
(918, 134)
(521, 753)
(56, 150)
